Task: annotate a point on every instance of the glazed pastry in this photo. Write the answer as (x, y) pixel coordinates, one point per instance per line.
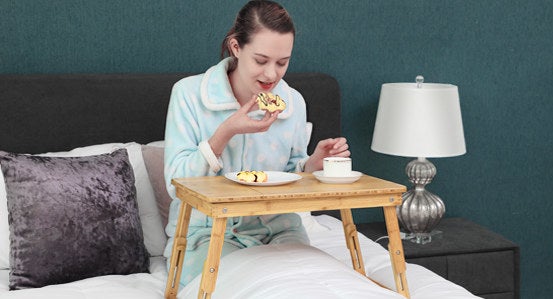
(270, 102)
(252, 176)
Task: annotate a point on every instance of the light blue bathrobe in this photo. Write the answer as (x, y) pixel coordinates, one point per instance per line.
(198, 105)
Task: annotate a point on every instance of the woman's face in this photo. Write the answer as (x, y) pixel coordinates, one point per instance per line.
(261, 63)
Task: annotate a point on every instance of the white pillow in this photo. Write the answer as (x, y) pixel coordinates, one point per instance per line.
(154, 235)
(308, 130)
(4, 227)
(311, 224)
(159, 143)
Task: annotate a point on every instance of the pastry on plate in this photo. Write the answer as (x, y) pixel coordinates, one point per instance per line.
(252, 176)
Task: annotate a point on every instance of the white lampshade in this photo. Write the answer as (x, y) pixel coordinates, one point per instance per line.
(419, 120)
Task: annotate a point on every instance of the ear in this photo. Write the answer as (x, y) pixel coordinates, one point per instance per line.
(234, 46)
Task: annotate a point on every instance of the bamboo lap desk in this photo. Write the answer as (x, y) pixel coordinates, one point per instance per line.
(220, 198)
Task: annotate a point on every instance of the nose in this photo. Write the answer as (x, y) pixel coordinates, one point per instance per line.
(270, 72)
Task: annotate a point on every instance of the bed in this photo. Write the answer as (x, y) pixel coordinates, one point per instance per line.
(83, 115)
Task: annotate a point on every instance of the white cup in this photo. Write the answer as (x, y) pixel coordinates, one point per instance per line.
(336, 167)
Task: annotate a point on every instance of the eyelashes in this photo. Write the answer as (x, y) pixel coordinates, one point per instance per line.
(281, 64)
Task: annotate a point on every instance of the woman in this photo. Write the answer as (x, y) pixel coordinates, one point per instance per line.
(214, 126)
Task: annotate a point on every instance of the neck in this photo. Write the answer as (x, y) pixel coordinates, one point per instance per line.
(242, 96)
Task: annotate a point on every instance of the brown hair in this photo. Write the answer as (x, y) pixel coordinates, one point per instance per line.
(254, 16)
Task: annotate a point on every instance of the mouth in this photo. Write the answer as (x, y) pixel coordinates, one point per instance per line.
(266, 85)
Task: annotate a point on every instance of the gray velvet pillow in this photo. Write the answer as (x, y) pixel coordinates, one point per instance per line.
(71, 218)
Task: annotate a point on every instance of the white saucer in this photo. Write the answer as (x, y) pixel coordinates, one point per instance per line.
(354, 176)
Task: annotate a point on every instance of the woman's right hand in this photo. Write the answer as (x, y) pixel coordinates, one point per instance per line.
(240, 123)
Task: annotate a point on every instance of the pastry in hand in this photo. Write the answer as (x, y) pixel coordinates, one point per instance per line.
(252, 176)
(270, 102)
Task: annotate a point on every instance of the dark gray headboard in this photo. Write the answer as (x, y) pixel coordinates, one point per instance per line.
(42, 113)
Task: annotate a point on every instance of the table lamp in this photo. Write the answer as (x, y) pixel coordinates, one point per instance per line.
(421, 120)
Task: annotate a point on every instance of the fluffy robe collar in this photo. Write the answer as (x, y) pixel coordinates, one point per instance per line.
(217, 94)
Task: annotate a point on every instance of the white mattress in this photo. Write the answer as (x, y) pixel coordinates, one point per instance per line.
(320, 271)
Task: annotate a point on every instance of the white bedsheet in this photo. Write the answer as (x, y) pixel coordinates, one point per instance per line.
(267, 272)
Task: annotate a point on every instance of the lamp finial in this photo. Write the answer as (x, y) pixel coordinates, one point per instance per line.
(419, 79)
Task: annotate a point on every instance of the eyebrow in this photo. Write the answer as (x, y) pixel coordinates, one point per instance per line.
(267, 57)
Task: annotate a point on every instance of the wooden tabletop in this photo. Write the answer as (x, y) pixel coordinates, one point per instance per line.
(219, 196)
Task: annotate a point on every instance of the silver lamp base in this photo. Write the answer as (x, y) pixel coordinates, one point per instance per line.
(421, 210)
(423, 238)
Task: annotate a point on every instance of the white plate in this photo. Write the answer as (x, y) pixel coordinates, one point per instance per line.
(354, 176)
(274, 178)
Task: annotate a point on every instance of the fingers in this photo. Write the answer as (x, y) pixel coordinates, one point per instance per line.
(249, 105)
(339, 142)
(344, 154)
(333, 143)
(267, 120)
(341, 147)
(269, 116)
(335, 147)
(242, 123)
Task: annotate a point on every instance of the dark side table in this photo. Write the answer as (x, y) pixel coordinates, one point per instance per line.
(483, 262)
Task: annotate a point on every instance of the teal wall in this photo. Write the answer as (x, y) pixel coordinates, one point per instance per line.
(499, 54)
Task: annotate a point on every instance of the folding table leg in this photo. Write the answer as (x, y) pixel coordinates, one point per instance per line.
(352, 241)
(211, 265)
(395, 248)
(177, 254)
